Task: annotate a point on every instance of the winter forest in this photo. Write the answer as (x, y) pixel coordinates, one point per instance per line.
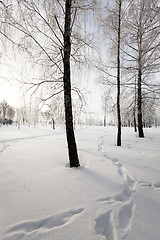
(80, 119)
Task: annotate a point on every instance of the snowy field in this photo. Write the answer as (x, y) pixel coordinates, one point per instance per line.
(114, 195)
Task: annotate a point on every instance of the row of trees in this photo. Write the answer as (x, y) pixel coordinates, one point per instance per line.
(150, 113)
(52, 115)
(135, 42)
(57, 38)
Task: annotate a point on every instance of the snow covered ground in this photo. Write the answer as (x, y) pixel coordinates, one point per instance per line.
(114, 195)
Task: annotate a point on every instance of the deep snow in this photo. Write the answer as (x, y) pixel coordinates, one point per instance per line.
(114, 195)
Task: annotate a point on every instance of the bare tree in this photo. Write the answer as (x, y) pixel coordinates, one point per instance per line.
(72, 148)
(139, 58)
(113, 24)
(118, 73)
(142, 46)
(46, 32)
(10, 113)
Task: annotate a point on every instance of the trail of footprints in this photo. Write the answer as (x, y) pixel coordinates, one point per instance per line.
(113, 224)
(116, 222)
(3, 147)
(120, 215)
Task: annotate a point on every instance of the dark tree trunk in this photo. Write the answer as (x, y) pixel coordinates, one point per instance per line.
(135, 123)
(118, 79)
(72, 148)
(140, 124)
(134, 109)
(53, 123)
(104, 121)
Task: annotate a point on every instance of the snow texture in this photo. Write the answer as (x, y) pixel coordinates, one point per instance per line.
(114, 195)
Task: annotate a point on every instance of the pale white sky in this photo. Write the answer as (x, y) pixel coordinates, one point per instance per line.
(9, 88)
(10, 93)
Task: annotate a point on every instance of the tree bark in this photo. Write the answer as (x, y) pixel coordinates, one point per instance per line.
(72, 148)
(53, 124)
(140, 124)
(135, 123)
(134, 109)
(118, 79)
(104, 121)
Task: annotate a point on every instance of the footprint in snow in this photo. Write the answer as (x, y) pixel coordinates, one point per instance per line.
(15, 236)
(126, 214)
(4, 146)
(104, 225)
(123, 196)
(144, 184)
(157, 185)
(114, 225)
(46, 223)
(149, 185)
(114, 160)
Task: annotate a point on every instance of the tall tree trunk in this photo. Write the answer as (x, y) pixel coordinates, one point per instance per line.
(53, 123)
(72, 148)
(105, 121)
(140, 124)
(118, 79)
(135, 123)
(134, 109)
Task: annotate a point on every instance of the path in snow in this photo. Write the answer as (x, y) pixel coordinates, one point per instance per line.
(113, 221)
(6, 143)
(3, 146)
(116, 222)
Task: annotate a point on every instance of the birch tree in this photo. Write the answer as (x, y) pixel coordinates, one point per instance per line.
(113, 24)
(142, 47)
(118, 73)
(48, 32)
